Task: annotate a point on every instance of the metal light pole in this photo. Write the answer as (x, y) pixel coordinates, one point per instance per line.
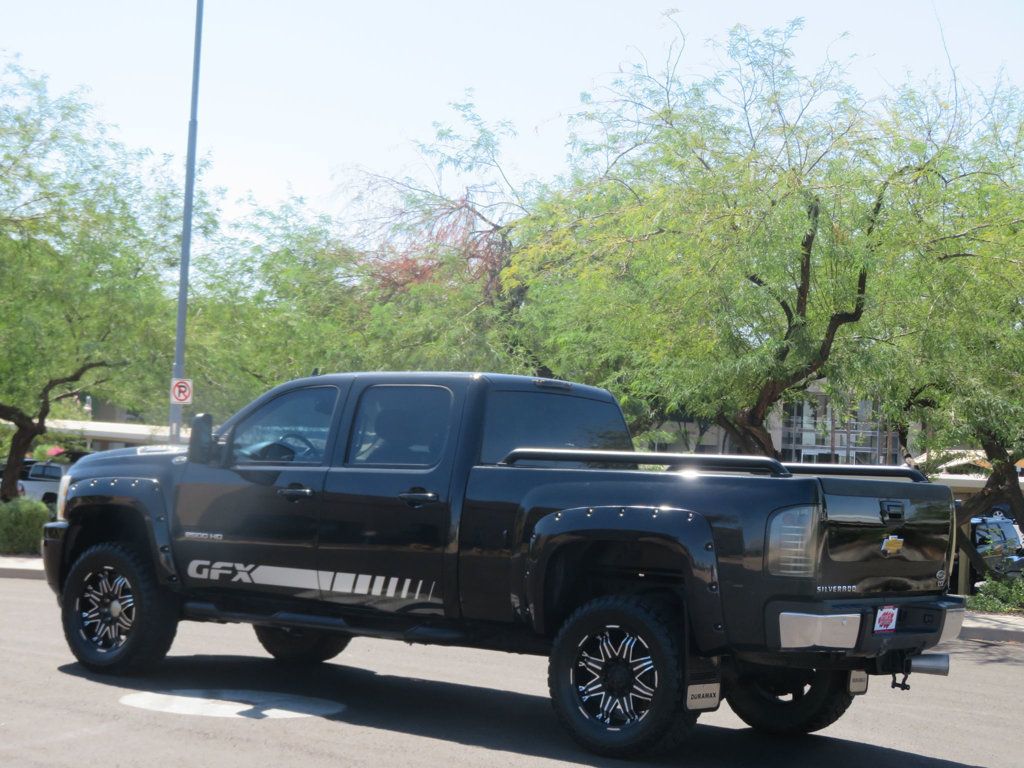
(186, 230)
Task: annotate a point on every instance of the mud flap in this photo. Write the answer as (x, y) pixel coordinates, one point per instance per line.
(703, 677)
(857, 685)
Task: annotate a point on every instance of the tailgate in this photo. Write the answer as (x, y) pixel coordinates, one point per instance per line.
(885, 537)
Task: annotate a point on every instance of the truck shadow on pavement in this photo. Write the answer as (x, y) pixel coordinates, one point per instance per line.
(485, 717)
(985, 652)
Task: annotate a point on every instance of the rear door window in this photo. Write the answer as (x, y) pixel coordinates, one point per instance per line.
(401, 426)
(44, 472)
(516, 419)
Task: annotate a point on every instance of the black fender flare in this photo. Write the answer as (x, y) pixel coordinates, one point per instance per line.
(685, 533)
(143, 496)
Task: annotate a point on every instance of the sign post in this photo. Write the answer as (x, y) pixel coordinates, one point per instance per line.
(174, 417)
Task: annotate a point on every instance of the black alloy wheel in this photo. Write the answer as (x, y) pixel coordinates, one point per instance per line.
(298, 646)
(616, 676)
(116, 616)
(106, 609)
(789, 701)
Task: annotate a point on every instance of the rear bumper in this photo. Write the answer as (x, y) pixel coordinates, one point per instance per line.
(848, 625)
(53, 552)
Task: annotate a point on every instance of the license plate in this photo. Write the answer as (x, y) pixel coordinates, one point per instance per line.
(885, 619)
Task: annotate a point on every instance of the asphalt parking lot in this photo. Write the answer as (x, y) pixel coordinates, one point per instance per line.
(220, 701)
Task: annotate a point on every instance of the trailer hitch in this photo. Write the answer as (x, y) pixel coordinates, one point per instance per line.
(902, 684)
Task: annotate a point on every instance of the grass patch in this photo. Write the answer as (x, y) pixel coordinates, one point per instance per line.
(999, 597)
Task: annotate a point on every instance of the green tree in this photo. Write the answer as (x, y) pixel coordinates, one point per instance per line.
(954, 349)
(276, 295)
(80, 261)
(725, 241)
(436, 249)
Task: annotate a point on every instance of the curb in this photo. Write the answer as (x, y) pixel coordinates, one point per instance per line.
(992, 635)
(993, 627)
(21, 573)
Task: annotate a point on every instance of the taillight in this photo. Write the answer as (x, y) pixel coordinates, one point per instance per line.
(793, 541)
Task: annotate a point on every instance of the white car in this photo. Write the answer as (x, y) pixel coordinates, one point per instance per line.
(43, 480)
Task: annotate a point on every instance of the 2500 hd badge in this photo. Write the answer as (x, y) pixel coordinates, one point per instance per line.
(512, 513)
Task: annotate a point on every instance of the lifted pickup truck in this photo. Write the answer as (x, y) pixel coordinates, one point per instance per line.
(510, 513)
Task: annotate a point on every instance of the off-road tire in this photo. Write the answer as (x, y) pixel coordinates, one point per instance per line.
(665, 723)
(153, 611)
(301, 646)
(752, 698)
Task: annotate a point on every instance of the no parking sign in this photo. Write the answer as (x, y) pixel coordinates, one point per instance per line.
(181, 391)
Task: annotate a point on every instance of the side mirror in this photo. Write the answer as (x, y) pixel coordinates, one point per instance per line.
(200, 442)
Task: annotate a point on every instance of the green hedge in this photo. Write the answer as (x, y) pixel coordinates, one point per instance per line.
(21, 526)
(999, 597)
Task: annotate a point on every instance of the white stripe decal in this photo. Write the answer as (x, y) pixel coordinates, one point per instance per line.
(343, 582)
(275, 576)
(311, 580)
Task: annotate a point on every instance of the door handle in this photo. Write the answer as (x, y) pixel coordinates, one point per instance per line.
(295, 493)
(418, 498)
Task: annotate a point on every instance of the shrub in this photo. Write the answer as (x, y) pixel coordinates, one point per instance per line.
(21, 526)
(999, 596)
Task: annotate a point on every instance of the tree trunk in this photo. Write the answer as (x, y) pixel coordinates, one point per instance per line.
(28, 428)
(902, 434)
(20, 445)
(749, 434)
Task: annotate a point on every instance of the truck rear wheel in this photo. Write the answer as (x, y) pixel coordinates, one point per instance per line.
(789, 701)
(616, 677)
(116, 617)
(300, 646)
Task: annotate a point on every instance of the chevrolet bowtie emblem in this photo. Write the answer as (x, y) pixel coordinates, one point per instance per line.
(892, 545)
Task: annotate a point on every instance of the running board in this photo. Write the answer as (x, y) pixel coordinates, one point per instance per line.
(421, 633)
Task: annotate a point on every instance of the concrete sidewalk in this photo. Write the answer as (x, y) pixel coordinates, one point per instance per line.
(29, 567)
(977, 626)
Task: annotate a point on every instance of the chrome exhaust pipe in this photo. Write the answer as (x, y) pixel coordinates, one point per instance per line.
(930, 664)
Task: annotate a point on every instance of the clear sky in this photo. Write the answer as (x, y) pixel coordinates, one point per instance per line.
(294, 94)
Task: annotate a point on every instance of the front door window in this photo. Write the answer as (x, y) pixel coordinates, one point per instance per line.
(292, 428)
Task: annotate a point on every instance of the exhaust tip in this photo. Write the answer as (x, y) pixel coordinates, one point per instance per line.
(930, 664)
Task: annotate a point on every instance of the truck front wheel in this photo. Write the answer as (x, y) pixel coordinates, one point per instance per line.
(300, 646)
(116, 617)
(616, 677)
(789, 701)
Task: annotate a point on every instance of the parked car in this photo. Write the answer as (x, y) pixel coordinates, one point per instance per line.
(41, 480)
(999, 543)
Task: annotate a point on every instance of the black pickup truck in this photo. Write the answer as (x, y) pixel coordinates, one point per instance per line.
(510, 513)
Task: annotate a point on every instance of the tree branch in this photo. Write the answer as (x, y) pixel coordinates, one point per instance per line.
(44, 396)
(16, 416)
(806, 246)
